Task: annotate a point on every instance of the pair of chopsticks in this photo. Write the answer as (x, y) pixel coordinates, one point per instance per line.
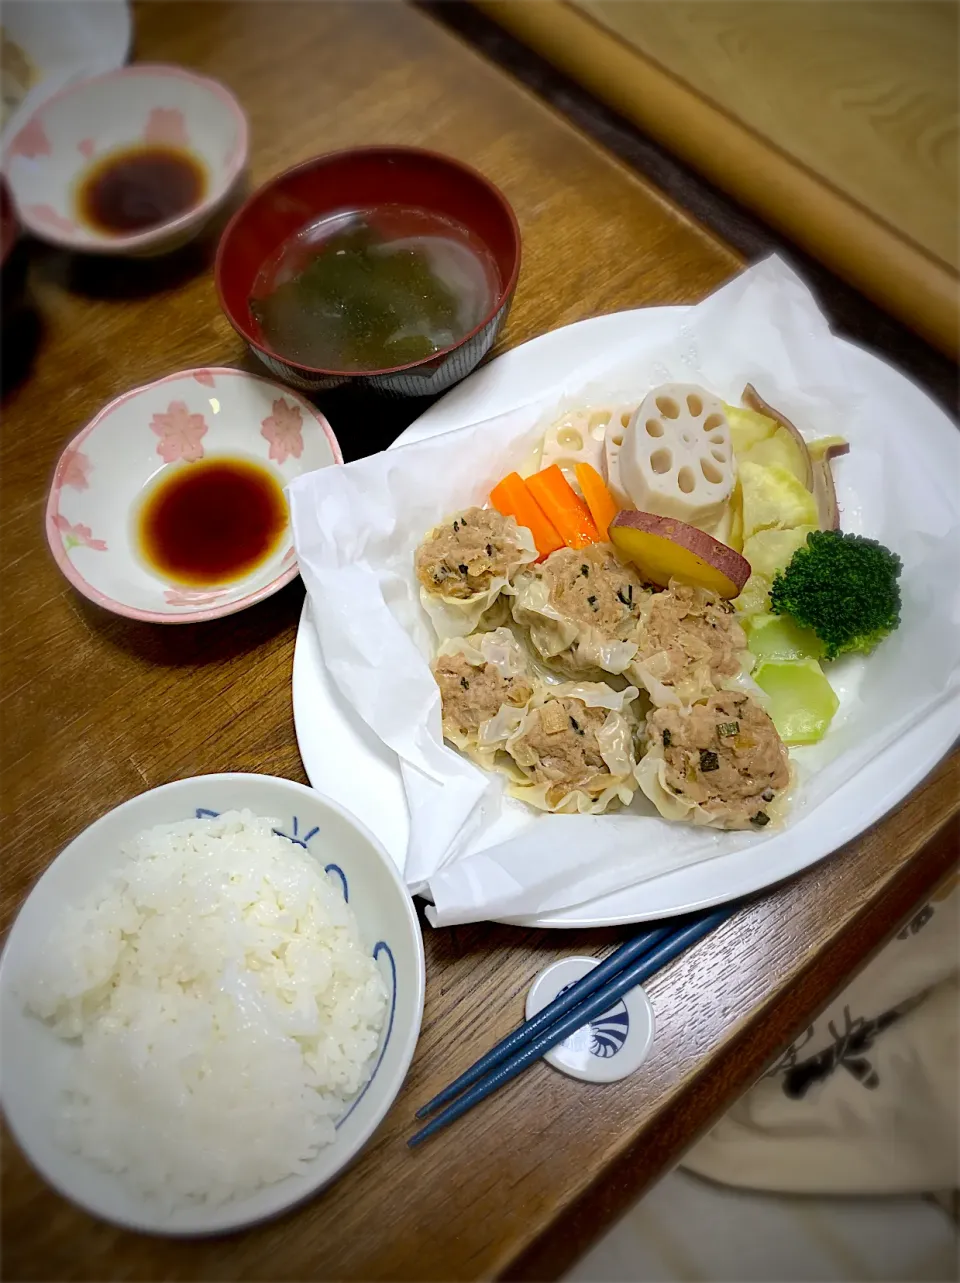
(590, 997)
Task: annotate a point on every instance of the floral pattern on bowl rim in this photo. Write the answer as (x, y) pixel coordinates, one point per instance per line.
(209, 412)
(145, 102)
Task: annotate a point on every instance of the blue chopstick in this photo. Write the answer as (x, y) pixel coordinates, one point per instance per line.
(563, 1003)
(595, 1005)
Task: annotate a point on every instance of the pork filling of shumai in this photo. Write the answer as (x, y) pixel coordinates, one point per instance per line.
(472, 695)
(465, 564)
(583, 607)
(691, 642)
(721, 759)
(576, 755)
(468, 553)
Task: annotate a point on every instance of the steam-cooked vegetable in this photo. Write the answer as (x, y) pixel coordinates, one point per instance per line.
(511, 498)
(780, 449)
(754, 597)
(824, 491)
(767, 552)
(843, 586)
(779, 637)
(675, 457)
(747, 428)
(756, 402)
(598, 498)
(822, 446)
(564, 508)
(663, 548)
(770, 550)
(735, 529)
(800, 700)
(773, 498)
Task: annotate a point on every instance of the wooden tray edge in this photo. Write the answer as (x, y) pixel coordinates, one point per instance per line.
(893, 271)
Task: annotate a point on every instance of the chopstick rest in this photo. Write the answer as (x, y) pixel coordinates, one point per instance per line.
(608, 1047)
(622, 971)
(606, 971)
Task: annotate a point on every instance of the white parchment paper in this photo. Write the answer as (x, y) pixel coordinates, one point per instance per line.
(480, 855)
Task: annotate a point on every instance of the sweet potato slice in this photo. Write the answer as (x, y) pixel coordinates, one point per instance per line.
(663, 548)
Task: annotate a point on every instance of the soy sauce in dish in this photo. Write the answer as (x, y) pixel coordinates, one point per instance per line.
(211, 522)
(372, 289)
(135, 188)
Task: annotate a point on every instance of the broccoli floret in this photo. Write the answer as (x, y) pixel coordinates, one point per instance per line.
(842, 586)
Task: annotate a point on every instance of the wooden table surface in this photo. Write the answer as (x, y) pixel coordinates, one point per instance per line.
(97, 708)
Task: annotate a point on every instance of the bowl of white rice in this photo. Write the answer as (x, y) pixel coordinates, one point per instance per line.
(208, 1003)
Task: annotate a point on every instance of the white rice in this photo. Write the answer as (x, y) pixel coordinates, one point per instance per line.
(225, 1008)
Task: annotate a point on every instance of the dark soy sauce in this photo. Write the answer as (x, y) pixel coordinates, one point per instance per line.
(211, 522)
(138, 188)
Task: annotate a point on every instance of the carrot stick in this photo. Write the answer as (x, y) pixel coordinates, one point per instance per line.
(563, 507)
(600, 501)
(512, 498)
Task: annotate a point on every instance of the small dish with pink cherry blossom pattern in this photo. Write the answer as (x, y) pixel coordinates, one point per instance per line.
(106, 471)
(146, 115)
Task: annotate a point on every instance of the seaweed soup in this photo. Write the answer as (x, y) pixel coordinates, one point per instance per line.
(373, 289)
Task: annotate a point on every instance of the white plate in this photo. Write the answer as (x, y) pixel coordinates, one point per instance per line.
(342, 757)
(36, 1063)
(64, 40)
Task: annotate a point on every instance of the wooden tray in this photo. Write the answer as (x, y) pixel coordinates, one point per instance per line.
(836, 123)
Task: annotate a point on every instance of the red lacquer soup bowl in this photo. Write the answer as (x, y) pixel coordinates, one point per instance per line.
(371, 178)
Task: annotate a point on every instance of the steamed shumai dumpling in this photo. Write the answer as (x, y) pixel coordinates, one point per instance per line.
(691, 644)
(584, 609)
(483, 679)
(574, 748)
(465, 563)
(718, 762)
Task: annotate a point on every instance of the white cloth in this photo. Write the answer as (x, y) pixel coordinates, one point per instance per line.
(867, 1101)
